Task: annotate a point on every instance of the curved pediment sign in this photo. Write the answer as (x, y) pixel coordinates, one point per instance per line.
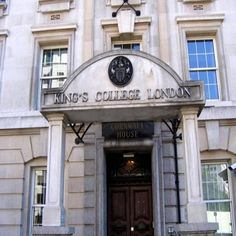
(104, 89)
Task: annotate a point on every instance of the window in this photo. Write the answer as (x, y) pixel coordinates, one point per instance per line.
(54, 67)
(217, 197)
(203, 65)
(53, 58)
(132, 46)
(139, 38)
(38, 198)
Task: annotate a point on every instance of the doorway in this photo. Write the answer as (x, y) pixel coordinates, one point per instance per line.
(129, 190)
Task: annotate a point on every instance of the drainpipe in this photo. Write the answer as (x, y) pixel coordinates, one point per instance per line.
(173, 129)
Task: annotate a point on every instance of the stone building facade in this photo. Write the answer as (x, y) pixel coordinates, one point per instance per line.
(117, 117)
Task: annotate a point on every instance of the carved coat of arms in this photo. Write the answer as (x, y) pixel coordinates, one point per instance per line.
(120, 71)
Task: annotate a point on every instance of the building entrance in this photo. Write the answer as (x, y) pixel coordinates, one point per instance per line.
(129, 194)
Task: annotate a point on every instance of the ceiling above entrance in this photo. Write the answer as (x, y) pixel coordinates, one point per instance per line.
(104, 89)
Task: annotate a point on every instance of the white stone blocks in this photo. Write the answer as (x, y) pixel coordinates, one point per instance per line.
(12, 171)
(11, 201)
(10, 218)
(11, 186)
(81, 200)
(89, 183)
(10, 230)
(213, 134)
(76, 169)
(89, 168)
(76, 153)
(81, 216)
(76, 185)
(232, 138)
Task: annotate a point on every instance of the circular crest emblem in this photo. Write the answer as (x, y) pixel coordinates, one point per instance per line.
(120, 71)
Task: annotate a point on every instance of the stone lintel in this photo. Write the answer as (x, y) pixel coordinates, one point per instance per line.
(53, 231)
(203, 229)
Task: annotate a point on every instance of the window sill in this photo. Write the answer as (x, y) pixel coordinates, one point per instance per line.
(197, 1)
(217, 103)
(48, 6)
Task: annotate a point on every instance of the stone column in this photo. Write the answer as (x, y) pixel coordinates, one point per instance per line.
(196, 208)
(53, 214)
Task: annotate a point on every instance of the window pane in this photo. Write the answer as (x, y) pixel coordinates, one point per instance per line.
(37, 216)
(194, 75)
(212, 181)
(55, 56)
(193, 61)
(200, 46)
(209, 46)
(40, 187)
(126, 46)
(47, 56)
(213, 92)
(136, 46)
(211, 60)
(117, 46)
(220, 213)
(47, 70)
(212, 77)
(202, 61)
(192, 47)
(64, 55)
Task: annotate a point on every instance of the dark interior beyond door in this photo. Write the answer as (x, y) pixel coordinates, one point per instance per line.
(129, 194)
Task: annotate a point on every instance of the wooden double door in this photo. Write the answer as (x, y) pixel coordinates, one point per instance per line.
(130, 210)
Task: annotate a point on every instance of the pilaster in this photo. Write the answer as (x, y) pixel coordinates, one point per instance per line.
(54, 210)
(196, 208)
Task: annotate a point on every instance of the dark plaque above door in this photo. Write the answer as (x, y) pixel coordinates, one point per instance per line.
(128, 130)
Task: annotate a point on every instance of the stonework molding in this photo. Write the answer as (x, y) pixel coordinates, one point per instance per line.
(117, 3)
(53, 231)
(208, 229)
(48, 6)
(197, 1)
(214, 136)
(211, 17)
(48, 28)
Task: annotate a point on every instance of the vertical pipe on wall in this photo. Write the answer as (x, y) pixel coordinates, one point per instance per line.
(175, 125)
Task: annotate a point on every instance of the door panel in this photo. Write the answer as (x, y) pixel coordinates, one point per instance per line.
(141, 210)
(130, 211)
(119, 211)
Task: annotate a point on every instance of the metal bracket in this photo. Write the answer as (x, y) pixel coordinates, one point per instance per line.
(175, 126)
(137, 12)
(79, 138)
